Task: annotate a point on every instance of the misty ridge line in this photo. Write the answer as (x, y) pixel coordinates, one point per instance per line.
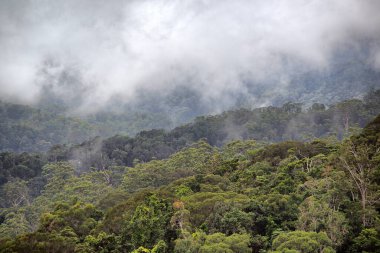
(290, 122)
(89, 54)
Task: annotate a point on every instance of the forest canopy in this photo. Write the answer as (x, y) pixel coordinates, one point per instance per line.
(244, 196)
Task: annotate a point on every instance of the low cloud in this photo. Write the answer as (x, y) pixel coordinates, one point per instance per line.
(90, 51)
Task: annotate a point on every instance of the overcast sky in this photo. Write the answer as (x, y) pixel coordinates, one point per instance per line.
(115, 47)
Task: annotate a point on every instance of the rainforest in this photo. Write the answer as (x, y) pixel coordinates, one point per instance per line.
(189, 126)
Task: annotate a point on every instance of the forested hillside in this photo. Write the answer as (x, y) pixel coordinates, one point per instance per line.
(244, 196)
(269, 124)
(23, 128)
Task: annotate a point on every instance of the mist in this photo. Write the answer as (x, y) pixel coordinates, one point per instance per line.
(92, 52)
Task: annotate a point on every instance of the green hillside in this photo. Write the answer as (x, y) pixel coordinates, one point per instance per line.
(245, 196)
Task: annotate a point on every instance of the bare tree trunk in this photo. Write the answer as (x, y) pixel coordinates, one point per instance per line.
(357, 163)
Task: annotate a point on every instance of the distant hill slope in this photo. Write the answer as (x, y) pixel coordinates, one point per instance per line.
(23, 128)
(269, 124)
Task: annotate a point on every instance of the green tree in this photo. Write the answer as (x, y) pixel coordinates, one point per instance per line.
(149, 222)
(367, 241)
(317, 216)
(14, 224)
(301, 241)
(217, 242)
(81, 218)
(102, 243)
(361, 163)
(16, 193)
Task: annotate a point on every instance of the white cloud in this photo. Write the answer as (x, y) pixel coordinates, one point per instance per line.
(117, 47)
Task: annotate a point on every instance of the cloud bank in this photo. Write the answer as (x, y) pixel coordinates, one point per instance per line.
(93, 50)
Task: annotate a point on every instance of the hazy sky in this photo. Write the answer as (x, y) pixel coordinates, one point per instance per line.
(115, 47)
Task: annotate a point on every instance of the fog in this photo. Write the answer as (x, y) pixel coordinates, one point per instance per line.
(92, 52)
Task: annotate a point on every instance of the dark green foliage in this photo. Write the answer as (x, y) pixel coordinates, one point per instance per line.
(23, 166)
(367, 241)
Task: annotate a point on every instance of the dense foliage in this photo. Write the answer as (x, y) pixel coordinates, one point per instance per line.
(244, 196)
